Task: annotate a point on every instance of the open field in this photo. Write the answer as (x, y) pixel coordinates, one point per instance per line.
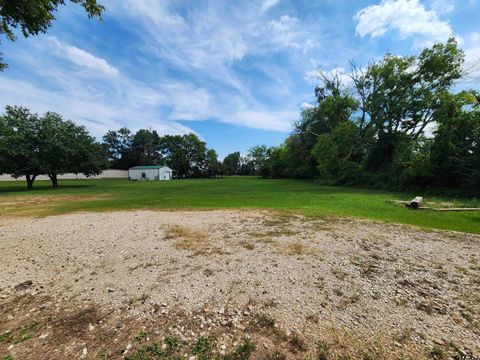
(247, 284)
(302, 197)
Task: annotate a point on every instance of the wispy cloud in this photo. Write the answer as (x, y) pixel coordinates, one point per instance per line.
(84, 58)
(207, 42)
(472, 58)
(313, 76)
(442, 6)
(267, 4)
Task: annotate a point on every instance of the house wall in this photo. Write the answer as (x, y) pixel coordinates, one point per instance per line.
(107, 174)
(165, 174)
(150, 174)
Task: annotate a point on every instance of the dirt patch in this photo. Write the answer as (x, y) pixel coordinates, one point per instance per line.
(233, 282)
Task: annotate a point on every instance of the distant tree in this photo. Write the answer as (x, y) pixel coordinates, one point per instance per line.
(119, 147)
(337, 154)
(259, 156)
(455, 151)
(184, 153)
(19, 149)
(212, 165)
(231, 164)
(65, 147)
(35, 16)
(247, 167)
(146, 147)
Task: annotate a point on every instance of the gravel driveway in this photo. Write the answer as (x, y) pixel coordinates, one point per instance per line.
(296, 286)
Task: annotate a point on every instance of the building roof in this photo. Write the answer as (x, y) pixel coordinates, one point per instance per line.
(144, 167)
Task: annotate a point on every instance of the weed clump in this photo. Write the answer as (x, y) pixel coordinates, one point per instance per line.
(264, 320)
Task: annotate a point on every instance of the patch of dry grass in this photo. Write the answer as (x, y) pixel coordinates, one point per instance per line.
(279, 219)
(295, 249)
(40, 205)
(247, 245)
(190, 239)
(339, 273)
(343, 344)
(278, 232)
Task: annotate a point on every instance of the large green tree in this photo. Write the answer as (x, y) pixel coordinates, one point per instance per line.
(146, 147)
(212, 165)
(259, 156)
(119, 147)
(65, 147)
(19, 148)
(398, 97)
(231, 163)
(455, 152)
(33, 17)
(186, 154)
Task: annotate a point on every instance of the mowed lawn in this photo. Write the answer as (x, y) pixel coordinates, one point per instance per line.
(303, 197)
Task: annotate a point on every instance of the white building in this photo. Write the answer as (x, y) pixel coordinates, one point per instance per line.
(151, 172)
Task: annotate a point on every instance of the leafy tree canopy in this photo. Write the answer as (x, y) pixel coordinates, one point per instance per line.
(32, 17)
(49, 145)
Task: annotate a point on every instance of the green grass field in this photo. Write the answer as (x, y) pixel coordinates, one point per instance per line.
(303, 197)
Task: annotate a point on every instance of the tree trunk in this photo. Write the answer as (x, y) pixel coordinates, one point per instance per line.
(54, 179)
(30, 180)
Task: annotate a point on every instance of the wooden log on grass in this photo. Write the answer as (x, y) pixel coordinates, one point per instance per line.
(415, 203)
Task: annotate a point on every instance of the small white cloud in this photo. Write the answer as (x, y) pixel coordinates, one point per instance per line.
(474, 38)
(81, 57)
(155, 10)
(442, 6)
(306, 105)
(267, 4)
(407, 17)
(287, 33)
(471, 67)
(265, 120)
(313, 76)
(85, 59)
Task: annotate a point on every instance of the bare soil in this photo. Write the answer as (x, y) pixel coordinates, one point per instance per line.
(115, 285)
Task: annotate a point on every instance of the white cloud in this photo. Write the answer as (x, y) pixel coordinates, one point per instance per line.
(212, 36)
(472, 58)
(287, 33)
(442, 6)
(83, 108)
(264, 120)
(205, 42)
(53, 84)
(155, 10)
(267, 4)
(313, 76)
(84, 58)
(408, 18)
(306, 105)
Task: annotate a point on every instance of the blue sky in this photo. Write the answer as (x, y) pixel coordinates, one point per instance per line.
(236, 73)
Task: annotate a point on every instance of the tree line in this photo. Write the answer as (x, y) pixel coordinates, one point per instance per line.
(398, 124)
(33, 145)
(186, 154)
